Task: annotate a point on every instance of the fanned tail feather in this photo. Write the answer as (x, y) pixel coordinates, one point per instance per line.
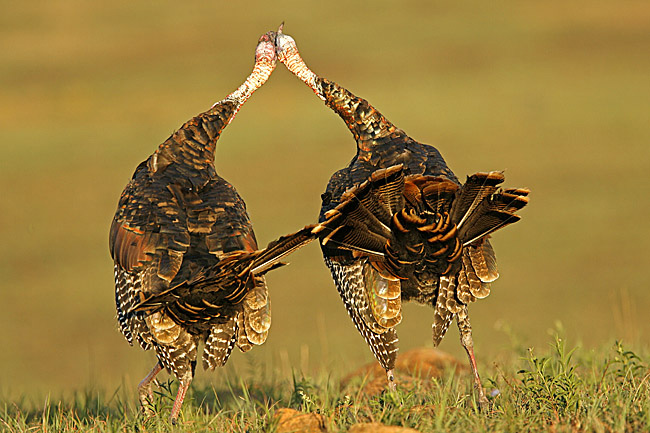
(361, 222)
(477, 187)
(234, 273)
(270, 256)
(396, 219)
(437, 192)
(353, 226)
(492, 213)
(407, 224)
(480, 208)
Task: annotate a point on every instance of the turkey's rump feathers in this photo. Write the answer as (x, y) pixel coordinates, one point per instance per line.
(423, 234)
(390, 204)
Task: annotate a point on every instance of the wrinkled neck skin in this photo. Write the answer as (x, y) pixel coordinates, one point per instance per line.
(290, 57)
(192, 147)
(368, 126)
(261, 73)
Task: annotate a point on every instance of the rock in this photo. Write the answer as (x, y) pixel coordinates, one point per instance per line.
(375, 427)
(293, 421)
(423, 363)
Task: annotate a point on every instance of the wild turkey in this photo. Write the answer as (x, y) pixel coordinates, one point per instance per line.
(187, 269)
(396, 225)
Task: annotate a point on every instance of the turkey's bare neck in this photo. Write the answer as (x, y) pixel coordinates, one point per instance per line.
(369, 127)
(366, 124)
(193, 146)
(297, 66)
(261, 73)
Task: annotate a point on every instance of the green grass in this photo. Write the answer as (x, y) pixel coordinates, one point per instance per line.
(561, 388)
(555, 92)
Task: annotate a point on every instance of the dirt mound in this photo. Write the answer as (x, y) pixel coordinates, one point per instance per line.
(293, 421)
(375, 427)
(423, 363)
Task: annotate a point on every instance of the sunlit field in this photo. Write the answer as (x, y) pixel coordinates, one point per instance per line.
(555, 93)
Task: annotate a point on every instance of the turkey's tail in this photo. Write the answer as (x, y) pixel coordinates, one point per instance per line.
(234, 275)
(262, 261)
(399, 220)
(481, 208)
(235, 272)
(361, 222)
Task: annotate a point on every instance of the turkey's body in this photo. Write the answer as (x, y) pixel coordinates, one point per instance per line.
(396, 225)
(380, 145)
(165, 233)
(187, 269)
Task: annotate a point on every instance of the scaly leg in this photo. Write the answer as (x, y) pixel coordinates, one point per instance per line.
(182, 389)
(391, 380)
(466, 340)
(145, 392)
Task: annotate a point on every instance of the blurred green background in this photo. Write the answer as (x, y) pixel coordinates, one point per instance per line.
(556, 93)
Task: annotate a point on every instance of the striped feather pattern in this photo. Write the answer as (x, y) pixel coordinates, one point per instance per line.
(219, 344)
(176, 222)
(421, 233)
(349, 282)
